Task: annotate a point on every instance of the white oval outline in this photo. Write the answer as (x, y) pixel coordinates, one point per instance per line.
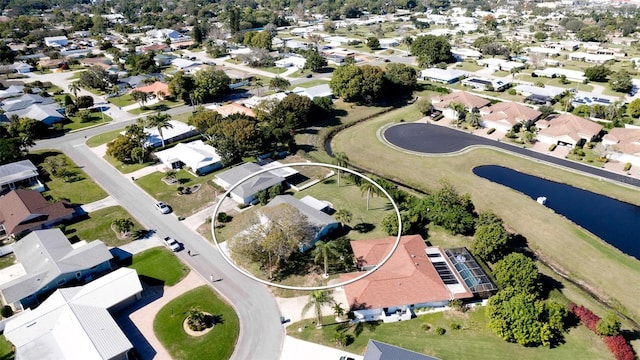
(303, 288)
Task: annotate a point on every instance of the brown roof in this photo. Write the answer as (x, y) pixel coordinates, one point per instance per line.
(571, 126)
(624, 140)
(510, 112)
(408, 277)
(468, 100)
(156, 47)
(155, 88)
(234, 108)
(22, 210)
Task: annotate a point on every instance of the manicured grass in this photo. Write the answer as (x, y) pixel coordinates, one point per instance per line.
(161, 264)
(121, 101)
(82, 191)
(103, 138)
(97, 226)
(554, 82)
(161, 106)
(273, 69)
(96, 118)
(468, 66)
(310, 83)
(184, 117)
(473, 341)
(182, 205)
(6, 261)
(125, 168)
(557, 241)
(218, 343)
(6, 349)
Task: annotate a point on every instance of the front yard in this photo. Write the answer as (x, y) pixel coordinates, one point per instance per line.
(160, 264)
(97, 226)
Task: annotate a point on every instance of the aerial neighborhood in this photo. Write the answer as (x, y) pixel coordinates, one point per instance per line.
(354, 180)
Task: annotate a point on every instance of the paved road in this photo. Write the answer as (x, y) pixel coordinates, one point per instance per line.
(433, 139)
(261, 334)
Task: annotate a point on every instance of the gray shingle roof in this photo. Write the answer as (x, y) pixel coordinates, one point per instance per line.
(17, 171)
(251, 186)
(380, 351)
(315, 217)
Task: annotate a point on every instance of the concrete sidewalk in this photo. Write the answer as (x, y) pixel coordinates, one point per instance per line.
(100, 204)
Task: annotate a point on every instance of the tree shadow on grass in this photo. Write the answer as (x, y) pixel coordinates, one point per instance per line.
(297, 264)
(364, 228)
(214, 320)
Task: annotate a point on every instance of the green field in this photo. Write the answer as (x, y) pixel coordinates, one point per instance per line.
(216, 344)
(97, 118)
(97, 226)
(556, 240)
(473, 341)
(103, 138)
(161, 264)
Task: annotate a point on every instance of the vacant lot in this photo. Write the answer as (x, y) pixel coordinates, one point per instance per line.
(600, 267)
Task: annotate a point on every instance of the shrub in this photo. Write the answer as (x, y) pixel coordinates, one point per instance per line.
(223, 217)
(609, 325)
(458, 305)
(425, 327)
(455, 326)
(441, 331)
(512, 91)
(619, 347)
(627, 166)
(491, 131)
(6, 311)
(552, 147)
(602, 159)
(586, 316)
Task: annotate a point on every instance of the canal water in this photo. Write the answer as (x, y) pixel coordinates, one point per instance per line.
(613, 221)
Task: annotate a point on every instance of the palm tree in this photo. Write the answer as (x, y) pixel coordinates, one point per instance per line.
(340, 159)
(344, 216)
(458, 109)
(160, 121)
(123, 225)
(568, 100)
(74, 87)
(140, 97)
(317, 299)
(369, 188)
(338, 310)
(257, 84)
(322, 251)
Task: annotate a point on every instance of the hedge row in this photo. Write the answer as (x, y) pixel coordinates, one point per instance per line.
(618, 345)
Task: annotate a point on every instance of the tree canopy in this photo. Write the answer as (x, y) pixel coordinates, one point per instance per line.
(597, 73)
(431, 50)
(518, 272)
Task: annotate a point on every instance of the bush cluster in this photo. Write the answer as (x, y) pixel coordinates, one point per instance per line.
(617, 344)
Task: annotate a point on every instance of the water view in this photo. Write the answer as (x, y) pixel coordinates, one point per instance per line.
(609, 219)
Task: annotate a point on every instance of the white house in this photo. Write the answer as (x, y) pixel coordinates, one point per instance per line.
(177, 131)
(291, 61)
(77, 323)
(444, 76)
(590, 58)
(491, 84)
(323, 90)
(56, 41)
(465, 53)
(500, 64)
(572, 75)
(19, 174)
(197, 156)
(245, 193)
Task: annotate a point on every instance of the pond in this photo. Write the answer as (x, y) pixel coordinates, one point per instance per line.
(609, 219)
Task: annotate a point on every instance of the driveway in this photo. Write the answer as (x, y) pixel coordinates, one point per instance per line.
(435, 140)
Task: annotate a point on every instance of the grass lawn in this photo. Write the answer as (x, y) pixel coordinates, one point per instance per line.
(96, 118)
(122, 100)
(473, 341)
(184, 117)
(6, 349)
(218, 343)
(468, 66)
(103, 138)
(125, 168)
(161, 264)
(608, 272)
(273, 69)
(182, 205)
(6, 261)
(164, 105)
(310, 83)
(97, 226)
(82, 191)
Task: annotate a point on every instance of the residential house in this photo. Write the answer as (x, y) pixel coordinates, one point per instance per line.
(322, 224)
(176, 132)
(184, 64)
(50, 261)
(469, 101)
(503, 116)
(590, 58)
(25, 210)
(11, 91)
(45, 114)
(538, 95)
(19, 174)
(500, 64)
(102, 62)
(25, 101)
(465, 53)
(387, 43)
(444, 76)
(543, 51)
(584, 98)
(139, 80)
(161, 48)
(231, 108)
(291, 61)
(623, 145)
(196, 156)
(158, 88)
(56, 41)
(162, 35)
(22, 68)
(50, 63)
(245, 192)
(318, 91)
(257, 100)
(486, 84)
(568, 130)
(415, 276)
(571, 75)
(377, 350)
(77, 322)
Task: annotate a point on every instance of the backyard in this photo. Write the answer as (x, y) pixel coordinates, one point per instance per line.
(474, 339)
(218, 343)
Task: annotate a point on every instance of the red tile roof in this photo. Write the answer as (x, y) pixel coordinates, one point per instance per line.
(234, 108)
(468, 100)
(571, 126)
(22, 210)
(511, 113)
(408, 277)
(155, 88)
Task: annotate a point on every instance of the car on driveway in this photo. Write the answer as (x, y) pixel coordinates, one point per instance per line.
(162, 207)
(173, 244)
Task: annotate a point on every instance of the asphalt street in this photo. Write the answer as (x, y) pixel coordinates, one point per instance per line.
(261, 334)
(433, 139)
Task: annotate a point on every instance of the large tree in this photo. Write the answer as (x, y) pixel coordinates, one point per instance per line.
(318, 299)
(234, 137)
(597, 73)
(323, 251)
(431, 50)
(518, 272)
(211, 83)
(490, 242)
(180, 86)
(620, 81)
(450, 210)
(400, 78)
(278, 84)
(355, 83)
(314, 61)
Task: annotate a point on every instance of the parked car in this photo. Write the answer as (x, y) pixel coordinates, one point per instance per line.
(173, 244)
(162, 207)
